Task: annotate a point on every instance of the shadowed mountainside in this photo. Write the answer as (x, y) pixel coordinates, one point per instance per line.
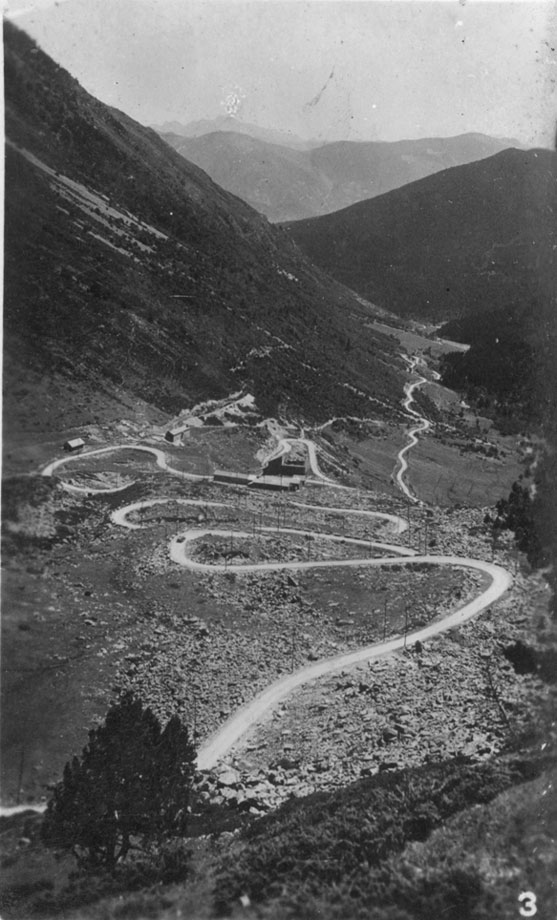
(127, 267)
(462, 241)
(475, 245)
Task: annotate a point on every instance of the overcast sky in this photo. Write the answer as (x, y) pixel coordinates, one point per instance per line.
(329, 70)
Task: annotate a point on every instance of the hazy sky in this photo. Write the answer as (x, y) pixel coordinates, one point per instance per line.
(329, 70)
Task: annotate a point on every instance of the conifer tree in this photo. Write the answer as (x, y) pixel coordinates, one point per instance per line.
(131, 785)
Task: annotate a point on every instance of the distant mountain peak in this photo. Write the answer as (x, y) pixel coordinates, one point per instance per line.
(233, 124)
(285, 182)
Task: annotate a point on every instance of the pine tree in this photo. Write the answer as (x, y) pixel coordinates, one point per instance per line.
(132, 781)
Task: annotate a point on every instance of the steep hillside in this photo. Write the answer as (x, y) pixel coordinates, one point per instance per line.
(465, 240)
(292, 184)
(475, 245)
(127, 267)
(401, 845)
(278, 181)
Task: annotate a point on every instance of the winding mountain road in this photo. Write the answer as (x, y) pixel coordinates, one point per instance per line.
(223, 740)
(399, 524)
(423, 425)
(230, 733)
(158, 454)
(243, 720)
(284, 446)
(180, 544)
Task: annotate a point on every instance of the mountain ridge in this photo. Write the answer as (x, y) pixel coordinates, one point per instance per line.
(287, 183)
(204, 126)
(476, 246)
(126, 243)
(439, 247)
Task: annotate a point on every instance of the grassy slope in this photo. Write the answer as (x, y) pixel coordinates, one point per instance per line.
(188, 311)
(359, 852)
(475, 243)
(452, 840)
(464, 240)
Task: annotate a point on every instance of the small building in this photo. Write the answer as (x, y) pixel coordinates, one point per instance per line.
(285, 465)
(173, 435)
(232, 479)
(74, 444)
(276, 483)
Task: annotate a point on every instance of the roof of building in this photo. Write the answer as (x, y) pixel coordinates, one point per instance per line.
(281, 482)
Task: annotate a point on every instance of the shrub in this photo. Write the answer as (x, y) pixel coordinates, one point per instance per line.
(130, 786)
(330, 848)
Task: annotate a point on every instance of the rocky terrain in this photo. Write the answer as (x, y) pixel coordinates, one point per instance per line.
(96, 605)
(172, 328)
(404, 711)
(200, 643)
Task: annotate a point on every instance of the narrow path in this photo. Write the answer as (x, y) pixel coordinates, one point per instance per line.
(423, 425)
(158, 454)
(179, 552)
(120, 516)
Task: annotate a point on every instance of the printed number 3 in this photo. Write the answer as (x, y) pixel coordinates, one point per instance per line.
(528, 904)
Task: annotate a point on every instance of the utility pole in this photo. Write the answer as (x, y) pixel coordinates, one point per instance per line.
(385, 620)
(405, 623)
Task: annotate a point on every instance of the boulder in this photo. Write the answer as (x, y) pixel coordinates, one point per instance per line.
(228, 778)
(389, 734)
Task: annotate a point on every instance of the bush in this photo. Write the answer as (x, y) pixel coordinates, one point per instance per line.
(331, 851)
(130, 787)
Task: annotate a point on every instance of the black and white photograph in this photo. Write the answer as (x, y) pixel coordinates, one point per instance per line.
(279, 460)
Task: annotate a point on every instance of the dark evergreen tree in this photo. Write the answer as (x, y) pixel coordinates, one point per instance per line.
(132, 781)
(517, 513)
